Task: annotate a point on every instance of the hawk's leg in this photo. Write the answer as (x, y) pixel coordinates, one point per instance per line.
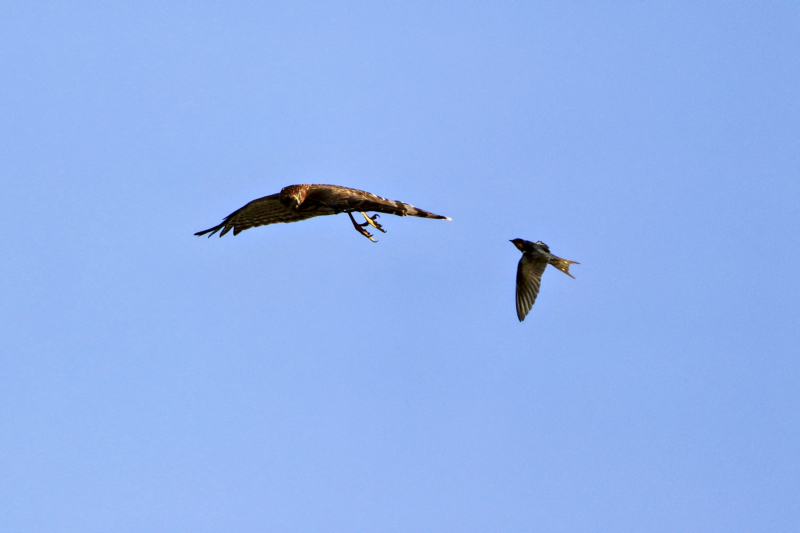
(371, 221)
(359, 228)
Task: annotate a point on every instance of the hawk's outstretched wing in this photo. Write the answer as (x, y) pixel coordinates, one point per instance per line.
(266, 210)
(529, 277)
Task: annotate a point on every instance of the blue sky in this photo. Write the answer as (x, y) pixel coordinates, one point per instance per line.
(300, 378)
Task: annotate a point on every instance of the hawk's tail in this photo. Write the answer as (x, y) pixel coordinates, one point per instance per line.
(410, 210)
(563, 264)
(379, 204)
(414, 212)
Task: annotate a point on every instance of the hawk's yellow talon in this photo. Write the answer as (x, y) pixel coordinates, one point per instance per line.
(371, 221)
(360, 228)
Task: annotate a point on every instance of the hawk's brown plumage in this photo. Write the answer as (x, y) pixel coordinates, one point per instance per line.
(535, 258)
(299, 202)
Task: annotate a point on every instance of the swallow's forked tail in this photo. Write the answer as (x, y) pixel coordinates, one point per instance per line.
(563, 265)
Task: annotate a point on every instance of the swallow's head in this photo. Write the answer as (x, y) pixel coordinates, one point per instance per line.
(519, 243)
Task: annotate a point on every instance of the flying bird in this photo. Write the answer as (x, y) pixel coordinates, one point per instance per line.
(300, 202)
(535, 257)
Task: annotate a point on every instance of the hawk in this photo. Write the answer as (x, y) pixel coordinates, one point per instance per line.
(535, 258)
(300, 202)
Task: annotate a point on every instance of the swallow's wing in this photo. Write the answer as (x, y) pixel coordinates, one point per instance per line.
(529, 277)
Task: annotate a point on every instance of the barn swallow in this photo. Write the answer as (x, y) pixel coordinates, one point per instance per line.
(535, 257)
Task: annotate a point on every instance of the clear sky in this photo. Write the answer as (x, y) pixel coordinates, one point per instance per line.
(298, 378)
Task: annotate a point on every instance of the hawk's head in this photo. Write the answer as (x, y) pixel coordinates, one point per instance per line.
(293, 195)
